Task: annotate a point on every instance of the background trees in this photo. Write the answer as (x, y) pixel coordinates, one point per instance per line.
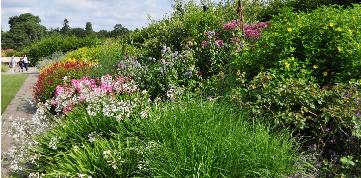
(24, 29)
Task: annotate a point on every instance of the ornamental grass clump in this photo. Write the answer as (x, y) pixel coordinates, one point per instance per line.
(184, 139)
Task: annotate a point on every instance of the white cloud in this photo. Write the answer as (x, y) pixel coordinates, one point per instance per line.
(103, 14)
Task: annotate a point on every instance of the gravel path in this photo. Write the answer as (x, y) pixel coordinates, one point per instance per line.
(19, 107)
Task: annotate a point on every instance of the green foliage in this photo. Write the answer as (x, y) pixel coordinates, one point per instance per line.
(178, 140)
(204, 139)
(327, 118)
(4, 68)
(49, 60)
(182, 29)
(24, 30)
(326, 39)
(160, 77)
(274, 7)
(110, 49)
(57, 43)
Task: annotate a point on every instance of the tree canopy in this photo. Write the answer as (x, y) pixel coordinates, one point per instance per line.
(24, 29)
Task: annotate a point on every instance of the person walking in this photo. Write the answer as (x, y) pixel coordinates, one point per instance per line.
(13, 64)
(26, 62)
(21, 64)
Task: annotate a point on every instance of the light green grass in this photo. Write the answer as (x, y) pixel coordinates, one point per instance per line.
(10, 84)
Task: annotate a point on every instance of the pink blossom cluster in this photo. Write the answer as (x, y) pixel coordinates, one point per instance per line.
(219, 43)
(253, 31)
(90, 90)
(232, 25)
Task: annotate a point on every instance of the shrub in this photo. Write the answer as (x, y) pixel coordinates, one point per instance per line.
(53, 75)
(275, 7)
(326, 118)
(4, 68)
(57, 43)
(49, 60)
(161, 76)
(331, 45)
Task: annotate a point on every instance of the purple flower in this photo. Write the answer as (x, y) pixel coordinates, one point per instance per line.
(219, 43)
(358, 114)
(347, 95)
(210, 34)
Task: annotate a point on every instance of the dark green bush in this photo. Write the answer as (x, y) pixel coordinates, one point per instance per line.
(57, 43)
(274, 7)
(327, 39)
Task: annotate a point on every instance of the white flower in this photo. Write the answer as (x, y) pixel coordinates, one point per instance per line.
(53, 143)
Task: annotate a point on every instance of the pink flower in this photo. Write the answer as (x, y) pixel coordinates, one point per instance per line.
(67, 109)
(219, 43)
(53, 102)
(59, 90)
(253, 31)
(107, 87)
(232, 25)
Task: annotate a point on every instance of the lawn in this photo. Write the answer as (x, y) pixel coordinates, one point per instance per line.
(10, 84)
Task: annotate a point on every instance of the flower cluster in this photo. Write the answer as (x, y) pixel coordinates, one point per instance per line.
(52, 76)
(22, 131)
(92, 91)
(219, 43)
(210, 34)
(253, 31)
(232, 25)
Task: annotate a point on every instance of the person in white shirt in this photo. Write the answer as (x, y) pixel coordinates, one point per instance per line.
(26, 62)
(13, 63)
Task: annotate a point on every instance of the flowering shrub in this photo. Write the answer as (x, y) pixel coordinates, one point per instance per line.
(253, 31)
(98, 96)
(161, 76)
(103, 102)
(53, 75)
(331, 45)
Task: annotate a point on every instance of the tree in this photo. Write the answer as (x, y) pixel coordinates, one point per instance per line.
(103, 33)
(89, 28)
(79, 32)
(118, 30)
(66, 28)
(24, 29)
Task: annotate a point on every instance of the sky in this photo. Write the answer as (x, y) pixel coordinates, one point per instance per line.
(103, 14)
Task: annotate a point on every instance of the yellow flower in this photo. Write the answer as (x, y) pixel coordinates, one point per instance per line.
(338, 29)
(339, 49)
(325, 73)
(315, 66)
(332, 24)
(289, 29)
(287, 65)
